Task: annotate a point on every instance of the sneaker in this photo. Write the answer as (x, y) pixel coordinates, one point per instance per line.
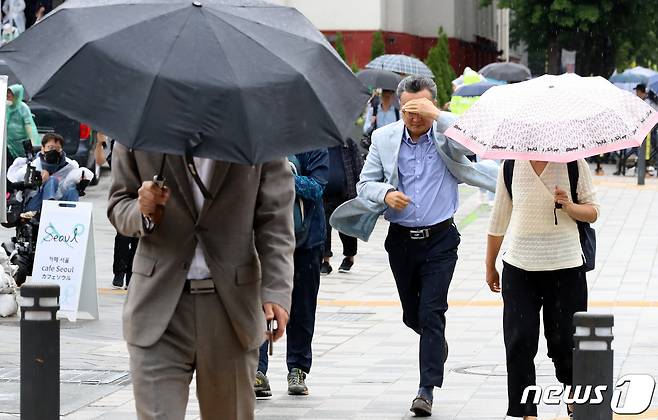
(325, 268)
(117, 283)
(346, 265)
(296, 382)
(262, 386)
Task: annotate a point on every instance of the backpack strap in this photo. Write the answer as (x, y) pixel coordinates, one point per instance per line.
(572, 168)
(508, 173)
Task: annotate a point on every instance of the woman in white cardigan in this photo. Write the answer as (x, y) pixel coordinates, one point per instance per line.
(542, 268)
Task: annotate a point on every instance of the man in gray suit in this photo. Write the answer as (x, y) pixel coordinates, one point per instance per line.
(411, 176)
(210, 268)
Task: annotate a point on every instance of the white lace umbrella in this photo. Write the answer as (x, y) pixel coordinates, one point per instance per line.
(554, 118)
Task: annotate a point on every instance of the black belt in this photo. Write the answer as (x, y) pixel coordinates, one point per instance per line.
(422, 232)
(198, 287)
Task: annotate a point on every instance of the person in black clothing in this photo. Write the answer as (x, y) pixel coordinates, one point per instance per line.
(124, 246)
(311, 173)
(345, 166)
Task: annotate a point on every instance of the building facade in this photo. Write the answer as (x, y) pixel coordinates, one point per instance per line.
(410, 27)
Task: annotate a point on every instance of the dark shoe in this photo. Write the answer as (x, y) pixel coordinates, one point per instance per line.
(421, 407)
(296, 382)
(117, 283)
(262, 386)
(325, 268)
(346, 265)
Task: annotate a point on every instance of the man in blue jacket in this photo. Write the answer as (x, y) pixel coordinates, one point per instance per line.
(311, 176)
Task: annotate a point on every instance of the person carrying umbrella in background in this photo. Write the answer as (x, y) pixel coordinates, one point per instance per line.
(383, 108)
(20, 124)
(545, 202)
(381, 112)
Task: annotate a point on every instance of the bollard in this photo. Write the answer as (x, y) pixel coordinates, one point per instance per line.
(641, 165)
(593, 363)
(39, 352)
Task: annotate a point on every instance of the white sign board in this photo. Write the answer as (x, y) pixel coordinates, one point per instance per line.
(3, 149)
(65, 256)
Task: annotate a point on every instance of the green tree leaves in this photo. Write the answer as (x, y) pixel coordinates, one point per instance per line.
(378, 47)
(438, 60)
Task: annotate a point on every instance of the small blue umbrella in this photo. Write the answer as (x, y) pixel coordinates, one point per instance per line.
(476, 89)
(653, 86)
(636, 76)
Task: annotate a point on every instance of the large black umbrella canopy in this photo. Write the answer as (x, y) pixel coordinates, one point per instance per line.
(241, 81)
(383, 79)
(508, 72)
(6, 71)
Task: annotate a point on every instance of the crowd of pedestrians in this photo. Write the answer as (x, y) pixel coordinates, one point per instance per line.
(410, 176)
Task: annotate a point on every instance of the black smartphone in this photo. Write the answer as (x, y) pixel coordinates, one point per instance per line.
(270, 337)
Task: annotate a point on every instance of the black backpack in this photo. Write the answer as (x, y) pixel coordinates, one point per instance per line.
(585, 231)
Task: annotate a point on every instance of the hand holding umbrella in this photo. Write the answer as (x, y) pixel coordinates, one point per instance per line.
(152, 199)
(578, 212)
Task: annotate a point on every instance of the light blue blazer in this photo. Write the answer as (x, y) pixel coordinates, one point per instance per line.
(358, 217)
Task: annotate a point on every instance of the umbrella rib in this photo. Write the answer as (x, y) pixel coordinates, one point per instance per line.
(217, 13)
(150, 94)
(281, 60)
(235, 77)
(90, 42)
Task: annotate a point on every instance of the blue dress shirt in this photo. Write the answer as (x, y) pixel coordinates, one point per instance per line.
(424, 178)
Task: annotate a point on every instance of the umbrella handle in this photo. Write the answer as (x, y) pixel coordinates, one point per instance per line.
(159, 178)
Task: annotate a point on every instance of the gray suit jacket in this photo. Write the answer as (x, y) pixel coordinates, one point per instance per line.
(358, 217)
(246, 233)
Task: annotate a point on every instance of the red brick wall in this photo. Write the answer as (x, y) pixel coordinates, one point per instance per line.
(462, 53)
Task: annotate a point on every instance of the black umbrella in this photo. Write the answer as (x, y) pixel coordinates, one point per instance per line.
(508, 72)
(241, 81)
(6, 71)
(383, 79)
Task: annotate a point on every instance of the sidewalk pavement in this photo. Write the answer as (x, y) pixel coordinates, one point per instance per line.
(366, 361)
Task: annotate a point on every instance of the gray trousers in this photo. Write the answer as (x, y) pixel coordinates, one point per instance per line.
(199, 338)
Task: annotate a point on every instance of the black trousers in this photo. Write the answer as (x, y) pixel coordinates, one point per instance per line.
(124, 253)
(423, 270)
(299, 333)
(349, 242)
(560, 293)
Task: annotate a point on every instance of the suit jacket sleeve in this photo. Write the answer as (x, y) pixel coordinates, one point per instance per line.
(122, 208)
(445, 121)
(274, 233)
(372, 185)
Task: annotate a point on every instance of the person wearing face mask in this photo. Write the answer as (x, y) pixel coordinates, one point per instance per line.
(62, 178)
(20, 124)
